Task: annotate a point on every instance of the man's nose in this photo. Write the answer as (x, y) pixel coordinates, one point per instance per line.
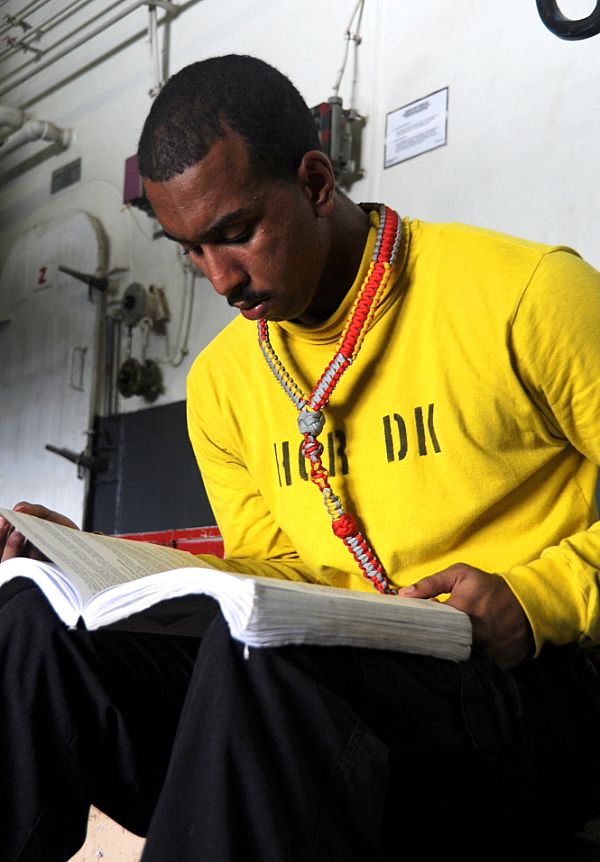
(222, 269)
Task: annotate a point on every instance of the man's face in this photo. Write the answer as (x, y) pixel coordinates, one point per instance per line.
(258, 240)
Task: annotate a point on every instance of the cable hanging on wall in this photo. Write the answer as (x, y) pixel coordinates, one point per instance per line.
(355, 37)
(568, 28)
(340, 128)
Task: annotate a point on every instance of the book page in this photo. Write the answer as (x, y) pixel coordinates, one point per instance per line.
(267, 612)
(95, 562)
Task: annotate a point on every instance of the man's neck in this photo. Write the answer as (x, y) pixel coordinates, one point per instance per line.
(349, 227)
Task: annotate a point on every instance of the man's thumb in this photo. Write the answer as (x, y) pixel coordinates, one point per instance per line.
(431, 586)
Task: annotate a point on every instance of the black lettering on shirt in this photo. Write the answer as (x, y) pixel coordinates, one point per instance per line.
(302, 463)
(420, 431)
(337, 455)
(432, 434)
(285, 463)
(396, 438)
(334, 458)
(389, 441)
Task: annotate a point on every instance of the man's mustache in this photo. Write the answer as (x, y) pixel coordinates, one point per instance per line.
(243, 294)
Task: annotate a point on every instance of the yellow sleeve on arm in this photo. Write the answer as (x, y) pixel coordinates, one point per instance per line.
(556, 344)
(254, 544)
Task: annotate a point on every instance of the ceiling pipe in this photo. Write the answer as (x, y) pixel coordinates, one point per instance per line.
(168, 6)
(35, 34)
(154, 52)
(18, 19)
(11, 119)
(36, 130)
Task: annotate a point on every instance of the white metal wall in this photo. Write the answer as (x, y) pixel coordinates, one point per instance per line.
(523, 129)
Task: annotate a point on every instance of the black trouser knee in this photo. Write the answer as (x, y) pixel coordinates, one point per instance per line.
(86, 718)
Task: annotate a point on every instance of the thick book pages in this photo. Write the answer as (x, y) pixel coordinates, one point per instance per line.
(139, 588)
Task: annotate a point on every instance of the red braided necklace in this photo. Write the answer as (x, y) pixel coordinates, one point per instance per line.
(310, 407)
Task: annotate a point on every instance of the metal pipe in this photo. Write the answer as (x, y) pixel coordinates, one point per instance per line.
(20, 16)
(154, 54)
(40, 65)
(36, 130)
(13, 117)
(164, 4)
(44, 64)
(19, 21)
(48, 25)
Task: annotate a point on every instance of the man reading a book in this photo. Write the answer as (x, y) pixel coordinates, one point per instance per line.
(400, 406)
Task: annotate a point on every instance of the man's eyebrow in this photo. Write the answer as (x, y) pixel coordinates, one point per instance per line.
(217, 227)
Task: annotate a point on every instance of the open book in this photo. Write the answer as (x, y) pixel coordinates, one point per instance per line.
(138, 586)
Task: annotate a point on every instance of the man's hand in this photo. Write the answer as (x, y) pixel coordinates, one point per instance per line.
(14, 544)
(500, 626)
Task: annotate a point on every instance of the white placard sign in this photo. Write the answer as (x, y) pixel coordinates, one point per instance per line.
(416, 128)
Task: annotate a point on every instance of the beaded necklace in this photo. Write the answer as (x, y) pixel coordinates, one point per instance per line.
(310, 407)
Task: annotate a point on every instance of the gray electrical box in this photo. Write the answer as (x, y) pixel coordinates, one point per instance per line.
(340, 132)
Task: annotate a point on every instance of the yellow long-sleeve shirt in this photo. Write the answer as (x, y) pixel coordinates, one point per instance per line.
(467, 430)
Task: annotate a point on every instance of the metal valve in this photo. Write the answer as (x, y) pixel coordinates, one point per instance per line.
(139, 303)
(138, 379)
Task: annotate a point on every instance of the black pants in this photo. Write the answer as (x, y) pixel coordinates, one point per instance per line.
(286, 755)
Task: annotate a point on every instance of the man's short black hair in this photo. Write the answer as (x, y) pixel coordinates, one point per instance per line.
(202, 102)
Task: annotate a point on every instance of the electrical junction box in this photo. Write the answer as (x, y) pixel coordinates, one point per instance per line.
(133, 188)
(340, 131)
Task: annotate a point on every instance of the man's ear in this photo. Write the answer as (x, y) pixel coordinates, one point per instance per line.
(316, 176)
